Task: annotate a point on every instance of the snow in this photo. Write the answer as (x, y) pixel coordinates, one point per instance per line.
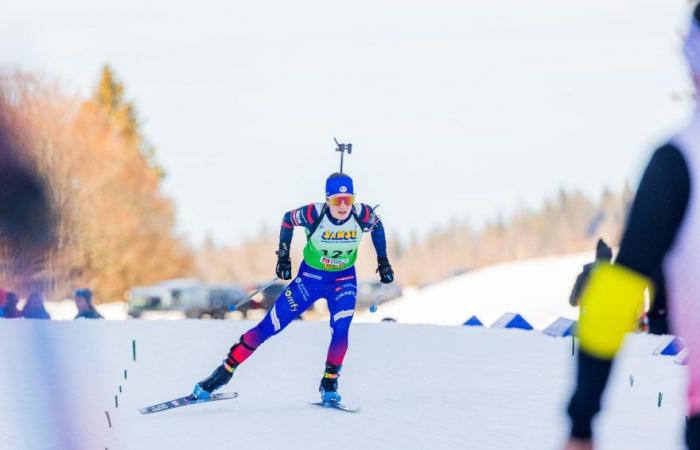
(66, 310)
(420, 387)
(538, 289)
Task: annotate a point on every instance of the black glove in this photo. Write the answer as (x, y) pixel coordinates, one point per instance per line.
(386, 273)
(284, 264)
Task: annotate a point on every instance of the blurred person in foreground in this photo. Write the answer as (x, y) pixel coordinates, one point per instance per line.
(11, 310)
(27, 217)
(333, 230)
(83, 301)
(34, 308)
(662, 235)
(654, 321)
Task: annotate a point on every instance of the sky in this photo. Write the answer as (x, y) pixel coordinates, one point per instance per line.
(456, 109)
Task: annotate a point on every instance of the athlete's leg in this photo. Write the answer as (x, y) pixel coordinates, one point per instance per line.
(341, 306)
(292, 302)
(341, 297)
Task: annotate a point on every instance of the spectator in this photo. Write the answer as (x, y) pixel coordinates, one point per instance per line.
(11, 311)
(3, 302)
(603, 253)
(34, 309)
(83, 301)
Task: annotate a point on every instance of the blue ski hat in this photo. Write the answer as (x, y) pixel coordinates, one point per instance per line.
(339, 183)
(84, 293)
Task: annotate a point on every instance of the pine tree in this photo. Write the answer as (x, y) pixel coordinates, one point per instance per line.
(109, 98)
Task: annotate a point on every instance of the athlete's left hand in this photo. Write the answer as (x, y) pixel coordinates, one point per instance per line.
(386, 273)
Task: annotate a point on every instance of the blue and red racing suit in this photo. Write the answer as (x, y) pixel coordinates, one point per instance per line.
(324, 273)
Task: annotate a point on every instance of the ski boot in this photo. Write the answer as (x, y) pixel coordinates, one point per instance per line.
(329, 384)
(216, 380)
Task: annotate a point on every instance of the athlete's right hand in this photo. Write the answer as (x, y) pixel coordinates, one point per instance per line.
(386, 273)
(284, 263)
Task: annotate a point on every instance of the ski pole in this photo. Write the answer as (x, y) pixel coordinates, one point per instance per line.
(250, 297)
(378, 300)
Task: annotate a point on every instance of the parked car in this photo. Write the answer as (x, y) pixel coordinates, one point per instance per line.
(170, 295)
(221, 298)
(190, 298)
(264, 300)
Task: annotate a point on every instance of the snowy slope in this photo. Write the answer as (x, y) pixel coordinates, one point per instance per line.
(421, 387)
(66, 310)
(536, 288)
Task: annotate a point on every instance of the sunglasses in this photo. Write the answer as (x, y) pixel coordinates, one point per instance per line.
(337, 200)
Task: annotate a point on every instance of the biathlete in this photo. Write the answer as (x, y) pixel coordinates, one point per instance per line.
(334, 230)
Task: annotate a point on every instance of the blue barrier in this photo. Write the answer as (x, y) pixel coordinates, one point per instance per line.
(562, 327)
(512, 320)
(473, 321)
(672, 346)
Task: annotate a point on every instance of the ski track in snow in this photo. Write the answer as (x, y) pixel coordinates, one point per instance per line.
(419, 386)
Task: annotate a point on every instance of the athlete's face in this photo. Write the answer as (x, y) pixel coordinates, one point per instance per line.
(340, 205)
(81, 304)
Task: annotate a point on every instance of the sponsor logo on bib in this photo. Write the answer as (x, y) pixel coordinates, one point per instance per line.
(333, 263)
(337, 236)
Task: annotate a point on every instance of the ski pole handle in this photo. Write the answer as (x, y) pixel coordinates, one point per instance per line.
(250, 297)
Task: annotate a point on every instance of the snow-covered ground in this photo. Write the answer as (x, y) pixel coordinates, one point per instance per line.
(536, 288)
(420, 387)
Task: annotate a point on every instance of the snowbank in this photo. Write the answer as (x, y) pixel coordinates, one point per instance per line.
(536, 288)
(66, 310)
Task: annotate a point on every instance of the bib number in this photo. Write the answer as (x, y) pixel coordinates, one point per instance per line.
(335, 253)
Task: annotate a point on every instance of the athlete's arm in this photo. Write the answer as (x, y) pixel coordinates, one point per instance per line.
(368, 220)
(656, 215)
(304, 216)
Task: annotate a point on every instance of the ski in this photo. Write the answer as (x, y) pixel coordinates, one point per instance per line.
(185, 401)
(335, 405)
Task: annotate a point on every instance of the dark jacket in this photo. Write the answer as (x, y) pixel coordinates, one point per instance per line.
(89, 314)
(602, 253)
(34, 309)
(11, 311)
(35, 313)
